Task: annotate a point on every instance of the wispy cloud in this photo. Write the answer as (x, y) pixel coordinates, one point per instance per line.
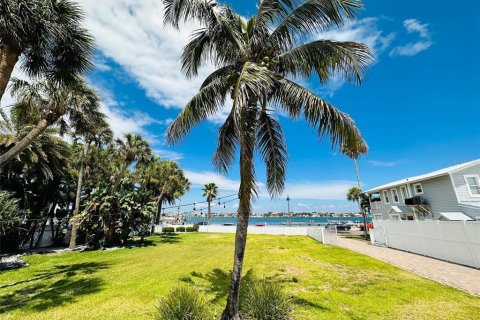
(385, 164)
(366, 31)
(413, 48)
(169, 154)
(318, 190)
(200, 178)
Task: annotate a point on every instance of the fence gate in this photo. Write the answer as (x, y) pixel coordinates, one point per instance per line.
(378, 232)
(330, 236)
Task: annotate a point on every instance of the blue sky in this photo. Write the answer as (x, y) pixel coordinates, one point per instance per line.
(418, 108)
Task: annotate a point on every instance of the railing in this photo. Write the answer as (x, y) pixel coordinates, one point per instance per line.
(454, 241)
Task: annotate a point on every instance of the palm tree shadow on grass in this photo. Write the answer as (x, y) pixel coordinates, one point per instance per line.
(68, 283)
(219, 282)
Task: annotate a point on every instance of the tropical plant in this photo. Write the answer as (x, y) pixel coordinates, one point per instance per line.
(99, 134)
(166, 180)
(46, 36)
(356, 194)
(10, 221)
(256, 62)
(210, 190)
(183, 303)
(51, 103)
(266, 300)
(354, 151)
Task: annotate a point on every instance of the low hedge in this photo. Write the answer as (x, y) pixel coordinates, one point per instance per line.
(168, 229)
(190, 229)
(180, 229)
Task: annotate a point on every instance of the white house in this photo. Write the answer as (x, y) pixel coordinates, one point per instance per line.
(451, 193)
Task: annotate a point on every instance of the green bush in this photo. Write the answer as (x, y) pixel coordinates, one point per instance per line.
(196, 227)
(190, 229)
(183, 303)
(168, 229)
(264, 300)
(180, 229)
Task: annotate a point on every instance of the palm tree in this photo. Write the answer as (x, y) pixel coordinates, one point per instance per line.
(354, 151)
(51, 103)
(99, 135)
(210, 190)
(46, 36)
(356, 194)
(166, 180)
(257, 61)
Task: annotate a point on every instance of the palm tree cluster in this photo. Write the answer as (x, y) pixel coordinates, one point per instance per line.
(258, 61)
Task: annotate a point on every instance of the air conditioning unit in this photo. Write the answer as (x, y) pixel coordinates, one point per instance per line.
(414, 201)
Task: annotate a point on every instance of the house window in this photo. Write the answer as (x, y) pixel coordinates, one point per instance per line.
(404, 191)
(395, 217)
(385, 196)
(473, 184)
(377, 216)
(395, 196)
(418, 188)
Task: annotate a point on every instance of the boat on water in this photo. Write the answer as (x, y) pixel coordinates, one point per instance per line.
(228, 224)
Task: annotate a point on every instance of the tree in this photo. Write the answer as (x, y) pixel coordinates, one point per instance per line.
(354, 151)
(46, 36)
(99, 134)
(167, 182)
(256, 61)
(210, 190)
(356, 194)
(50, 103)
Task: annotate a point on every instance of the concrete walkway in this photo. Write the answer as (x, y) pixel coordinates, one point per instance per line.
(460, 277)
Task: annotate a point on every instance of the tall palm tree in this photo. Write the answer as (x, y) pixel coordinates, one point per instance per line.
(356, 194)
(257, 61)
(46, 36)
(99, 135)
(52, 103)
(210, 190)
(354, 151)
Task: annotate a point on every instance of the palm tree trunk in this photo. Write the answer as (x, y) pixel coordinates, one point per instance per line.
(76, 223)
(357, 173)
(41, 126)
(8, 60)
(232, 309)
(208, 214)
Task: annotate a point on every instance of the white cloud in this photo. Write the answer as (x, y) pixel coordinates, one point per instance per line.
(131, 33)
(364, 31)
(319, 190)
(413, 25)
(169, 154)
(203, 177)
(385, 164)
(413, 48)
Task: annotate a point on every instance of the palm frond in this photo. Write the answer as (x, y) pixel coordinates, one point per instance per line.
(269, 12)
(227, 141)
(271, 144)
(309, 18)
(323, 116)
(177, 11)
(327, 58)
(208, 101)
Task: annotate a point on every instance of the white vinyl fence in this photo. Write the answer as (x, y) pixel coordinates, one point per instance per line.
(454, 241)
(325, 236)
(282, 230)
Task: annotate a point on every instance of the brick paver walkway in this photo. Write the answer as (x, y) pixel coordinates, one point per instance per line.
(460, 277)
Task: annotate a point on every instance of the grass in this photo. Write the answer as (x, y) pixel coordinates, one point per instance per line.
(325, 282)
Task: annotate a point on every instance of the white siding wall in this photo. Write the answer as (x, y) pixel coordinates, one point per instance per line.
(461, 186)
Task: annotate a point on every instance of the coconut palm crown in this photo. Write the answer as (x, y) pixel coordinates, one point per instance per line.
(258, 61)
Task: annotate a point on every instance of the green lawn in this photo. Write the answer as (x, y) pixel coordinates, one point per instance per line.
(325, 282)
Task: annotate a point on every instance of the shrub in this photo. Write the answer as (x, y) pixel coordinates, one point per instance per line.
(190, 229)
(180, 229)
(182, 303)
(10, 225)
(264, 300)
(196, 227)
(168, 229)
